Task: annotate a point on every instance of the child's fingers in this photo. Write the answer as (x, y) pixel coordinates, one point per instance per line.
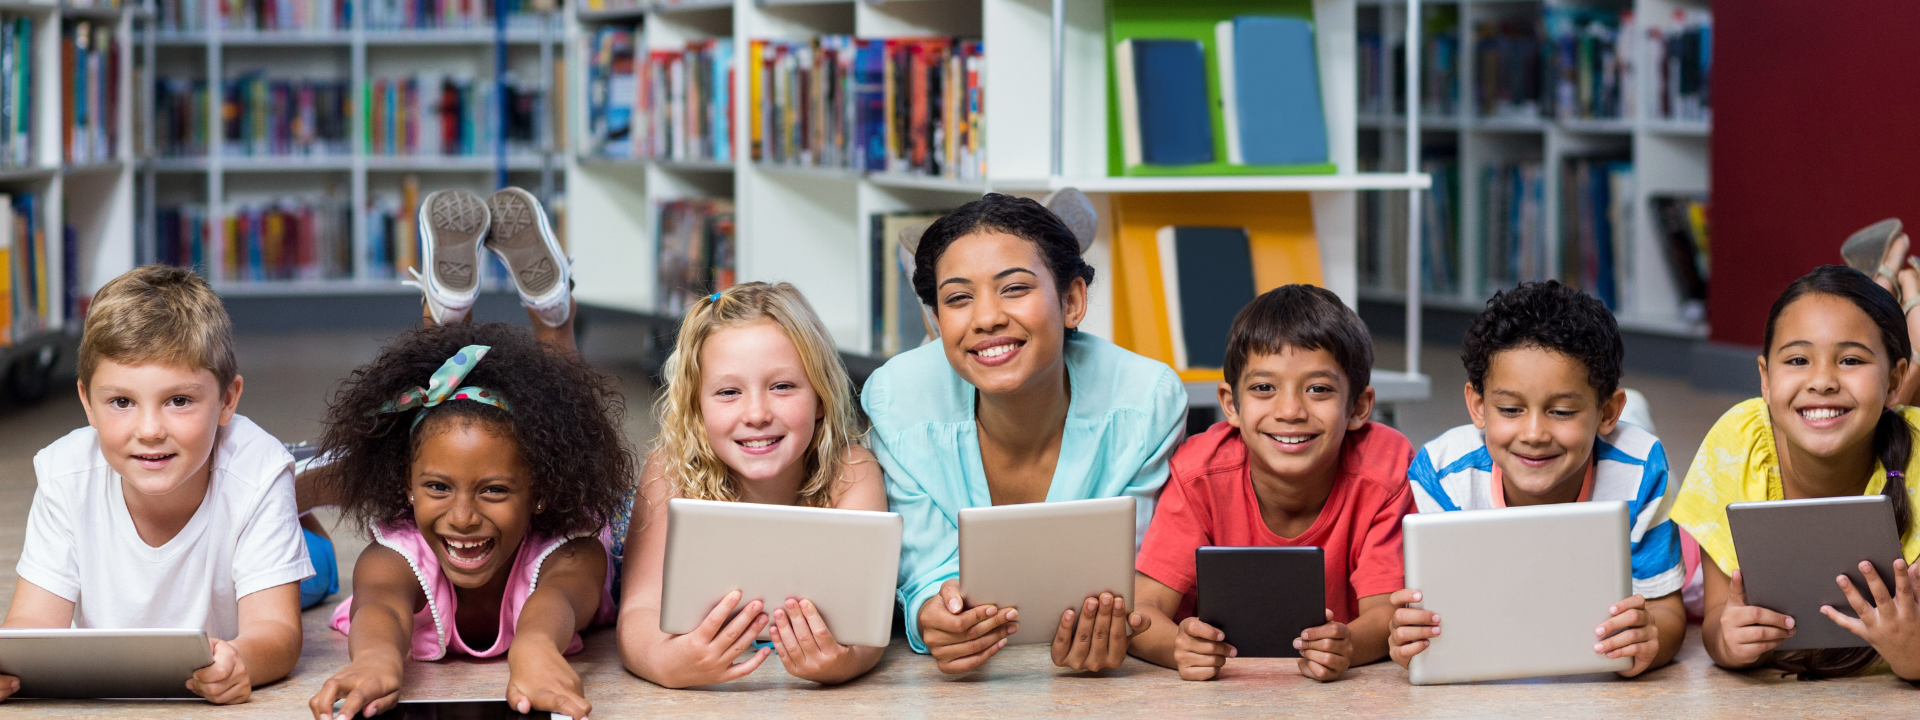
(1331, 630)
(970, 661)
(1853, 625)
(785, 637)
(717, 617)
(1413, 617)
(1757, 635)
(817, 631)
(1616, 644)
(1404, 596)
(742, 669)
(750, 615)
(987, 625)
(1200, 672)
(322, 702)
(1194, 628)
(1117, 634)
(1405, 652)
(1736, 590)
(352, 705)
(1874, 585)
(1063, 637)
(1414, 633)
(1320, 665)
(978, 644)
(1902, 584)
(1337, 646)
(746, 638)
(1637, 601)
(1632, 618)
(1860, 606)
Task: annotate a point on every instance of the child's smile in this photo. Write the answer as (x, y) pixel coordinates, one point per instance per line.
(758, 404)
(1294, 409)
(1541, 415)
(1826, 363)
(471, 498)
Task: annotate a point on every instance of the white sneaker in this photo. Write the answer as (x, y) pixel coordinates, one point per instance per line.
(452, 224)
(525, 243)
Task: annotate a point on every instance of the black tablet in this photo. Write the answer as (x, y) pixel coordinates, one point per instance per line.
(1791, 550)
(460, 710)
(1261, 597)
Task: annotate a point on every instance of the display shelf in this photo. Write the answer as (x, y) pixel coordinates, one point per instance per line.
(288, 164)
(27, 173)
(314, 287)
(110, 166)
(450, 163)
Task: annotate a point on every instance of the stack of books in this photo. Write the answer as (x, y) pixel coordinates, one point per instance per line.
(1440, 227)
(673, 103)
(393, 231)
(444, 14)
(26, 297)
(1590, 64)
(1507, 70)
(1513, 223)
(16, 90)
(180, 237)
(89, 108)
(1683, 52)
(901, 105)
(180, 117)
(267, 117)
(1596, 210)
(696, 241)
(429, 113)
(294, 238)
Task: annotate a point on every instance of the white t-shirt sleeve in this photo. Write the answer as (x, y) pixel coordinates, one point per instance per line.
(47, 556)
(271, 550)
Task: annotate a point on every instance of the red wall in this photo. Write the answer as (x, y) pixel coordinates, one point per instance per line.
(1816, 133)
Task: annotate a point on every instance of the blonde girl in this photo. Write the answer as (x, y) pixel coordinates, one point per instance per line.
(757, 408)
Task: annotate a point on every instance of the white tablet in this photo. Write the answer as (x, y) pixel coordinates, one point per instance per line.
(86, 663)
(845, 561)
(1519, 590)
(1045, 557)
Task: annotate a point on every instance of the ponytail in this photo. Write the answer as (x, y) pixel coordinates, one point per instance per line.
(1893, 446)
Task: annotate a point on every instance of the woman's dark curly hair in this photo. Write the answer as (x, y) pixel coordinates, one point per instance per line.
(1550, 316)
(565, 419)
(1017, 216)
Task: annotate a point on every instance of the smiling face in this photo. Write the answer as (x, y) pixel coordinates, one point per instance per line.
(473, 498)
(1002, 317)
(1541, 416)
(1826, 377)
(158, 423)
(1293, 413)
(758, 405)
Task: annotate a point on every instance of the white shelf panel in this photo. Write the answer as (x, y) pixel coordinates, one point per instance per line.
(667, 6)
(1613, 126)
(1699, 128)
(692, 165)
(1388, 386)
(313, 287)
(178, 164)
(18, 6)
(1246, 183)
(302, 163)
(463, 36)
(278, 38)
(25, 173)
(448, 163)
(932, 182)
(88, 168)
(809, 171)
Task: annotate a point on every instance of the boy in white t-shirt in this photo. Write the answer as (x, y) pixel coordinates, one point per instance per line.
(168, 510)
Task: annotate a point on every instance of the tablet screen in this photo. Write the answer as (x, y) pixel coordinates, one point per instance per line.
(461, 710)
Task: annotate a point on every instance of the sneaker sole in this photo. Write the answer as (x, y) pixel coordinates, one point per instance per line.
(456, 222)
(517, 239)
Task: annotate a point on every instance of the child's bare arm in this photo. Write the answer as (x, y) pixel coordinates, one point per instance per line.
(1409, 630)
(385, 597)
(538, 675)
(1737, 635)
(1193, 648)
(807, 646)
(33, 607)
(265, 650)
(702, 657)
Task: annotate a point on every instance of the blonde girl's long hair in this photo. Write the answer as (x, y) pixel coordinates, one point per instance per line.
(688, 459)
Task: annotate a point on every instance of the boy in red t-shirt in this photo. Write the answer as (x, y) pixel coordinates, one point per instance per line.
(1296, 463)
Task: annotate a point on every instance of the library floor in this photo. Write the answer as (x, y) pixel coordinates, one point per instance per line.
(288, 378)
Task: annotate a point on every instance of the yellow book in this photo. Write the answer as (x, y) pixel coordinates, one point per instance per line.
(406, 236)
(1280, 235)
(756, 89)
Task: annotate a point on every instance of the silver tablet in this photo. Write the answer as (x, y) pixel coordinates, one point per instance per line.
(1791, 550)
(1045, 557)
(87, 663)
(1519, 590)
(845, 561)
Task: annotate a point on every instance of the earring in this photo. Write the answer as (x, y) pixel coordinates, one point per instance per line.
(542, 507)
(409, 499)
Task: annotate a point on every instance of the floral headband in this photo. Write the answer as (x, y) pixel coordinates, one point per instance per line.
(443, 386)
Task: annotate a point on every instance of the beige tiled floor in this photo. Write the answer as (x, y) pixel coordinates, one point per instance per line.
(290, 376)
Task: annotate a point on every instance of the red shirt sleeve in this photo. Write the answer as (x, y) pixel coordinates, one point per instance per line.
(1379, 566)
(1180, 526)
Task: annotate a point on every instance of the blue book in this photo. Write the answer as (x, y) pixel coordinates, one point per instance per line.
(1270, 87)
(1164, 111)
(870, 106)
(1207, 273)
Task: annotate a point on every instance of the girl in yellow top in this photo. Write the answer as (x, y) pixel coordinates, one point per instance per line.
(1836, 348)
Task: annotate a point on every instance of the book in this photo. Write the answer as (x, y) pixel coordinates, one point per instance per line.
(905, 104)
(899, 323)
(1681, 221)
(1270, 91)
(1166, 118)
(1589, 62)
(266, 117)
(694, 239)
(1207, 273)
(90, 74)
(1508, 66)
(1682, 55)
(1590, 256)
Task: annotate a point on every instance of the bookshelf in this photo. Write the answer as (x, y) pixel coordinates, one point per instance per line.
(66, 219)
(1662, 144)
(310, 192)
(810, 225)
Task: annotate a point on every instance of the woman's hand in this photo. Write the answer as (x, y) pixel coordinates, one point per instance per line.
(1747, 632)
(1098, 640)
(807, 647)
(962, 640)
(539, 678)
(1409, 630)
(1892, 623)
(224, 682)
(1629, 633)
(1200, 650)
(706, 655)
(1325, 651)
(367, 686)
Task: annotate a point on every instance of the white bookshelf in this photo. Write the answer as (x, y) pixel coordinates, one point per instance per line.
(223, 181)
(1668, 156)
(809, 226)
(93, 198)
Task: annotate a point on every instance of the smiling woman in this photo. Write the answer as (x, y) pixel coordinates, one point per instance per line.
(1013, 405)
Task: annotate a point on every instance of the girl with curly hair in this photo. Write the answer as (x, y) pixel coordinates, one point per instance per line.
(757, 408)
(488, 463)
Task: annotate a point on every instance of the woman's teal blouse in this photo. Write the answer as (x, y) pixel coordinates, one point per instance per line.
(1126, 415)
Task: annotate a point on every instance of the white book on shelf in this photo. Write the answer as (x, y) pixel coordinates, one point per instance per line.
(1169, 240)
(1229, 89)
(1129, 103)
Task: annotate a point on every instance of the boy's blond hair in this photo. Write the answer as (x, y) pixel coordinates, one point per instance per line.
(159, 314)
(690, 462)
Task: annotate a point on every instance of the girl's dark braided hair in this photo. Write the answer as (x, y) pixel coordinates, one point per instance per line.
(1892, 436)
(565, 421)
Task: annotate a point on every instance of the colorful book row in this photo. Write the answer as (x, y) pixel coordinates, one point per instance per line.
(90, 107)
(435, 114)
(293, 238)
(27, 297)
(180, 117)
(265, 117)
(666, 104)
(16, 91)
(695, 239)
(901, 105)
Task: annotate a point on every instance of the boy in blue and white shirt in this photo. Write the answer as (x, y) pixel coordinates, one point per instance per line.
(1543, 388)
